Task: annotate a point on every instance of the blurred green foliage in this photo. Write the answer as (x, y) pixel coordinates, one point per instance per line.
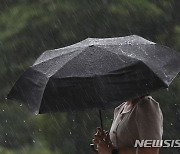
(29, 27)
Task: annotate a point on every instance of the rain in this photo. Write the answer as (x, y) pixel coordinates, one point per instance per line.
(54, 33)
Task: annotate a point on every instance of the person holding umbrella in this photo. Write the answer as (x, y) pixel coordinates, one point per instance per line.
(98, 73)
(137, 119)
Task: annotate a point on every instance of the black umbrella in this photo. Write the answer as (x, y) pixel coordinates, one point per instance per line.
(96, 73)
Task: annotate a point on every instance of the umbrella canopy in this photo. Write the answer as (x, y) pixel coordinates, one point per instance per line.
(96, 73)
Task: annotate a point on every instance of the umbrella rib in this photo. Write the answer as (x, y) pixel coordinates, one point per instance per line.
(144, 61)
(86, 46)
(68, 61)
(52, 58)
(155, 74)
(116, 53)
(136, 60)
(54, 73)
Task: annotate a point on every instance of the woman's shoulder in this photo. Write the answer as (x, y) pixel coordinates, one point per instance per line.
(149, 119)
(147, 102)
(148, 105)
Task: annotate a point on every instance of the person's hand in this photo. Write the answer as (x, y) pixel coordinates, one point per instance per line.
(103, 142)
(104, 148)
(99, 136)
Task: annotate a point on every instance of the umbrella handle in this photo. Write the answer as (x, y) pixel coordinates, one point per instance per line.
(93, 148)
(92, 145)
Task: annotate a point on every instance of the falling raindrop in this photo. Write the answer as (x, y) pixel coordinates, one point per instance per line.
(6, 121)
(20, 105)
(70, 133)
(3, 110)
(171, 124)
(167, 89)
(24, 121)
(34, 141)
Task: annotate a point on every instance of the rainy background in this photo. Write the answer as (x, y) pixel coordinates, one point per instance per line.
(29, 27)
